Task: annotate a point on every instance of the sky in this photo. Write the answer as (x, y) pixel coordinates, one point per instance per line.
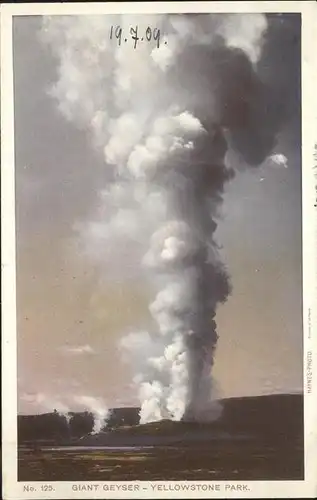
(71, 312)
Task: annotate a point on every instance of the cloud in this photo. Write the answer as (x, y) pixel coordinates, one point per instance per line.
(45, 402)
(278, 160)
(77, 350)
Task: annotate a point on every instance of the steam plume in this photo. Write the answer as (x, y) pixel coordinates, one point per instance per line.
(65, 404)
(164, 119)
(98, 409)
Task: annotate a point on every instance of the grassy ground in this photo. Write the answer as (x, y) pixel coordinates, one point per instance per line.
(273, 450)
(219, 460)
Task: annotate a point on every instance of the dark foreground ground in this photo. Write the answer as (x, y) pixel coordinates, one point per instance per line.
(255, 439)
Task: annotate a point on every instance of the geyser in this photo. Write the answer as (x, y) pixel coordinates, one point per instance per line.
(164, 118)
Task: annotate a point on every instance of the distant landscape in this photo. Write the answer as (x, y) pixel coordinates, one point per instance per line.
(257, 438)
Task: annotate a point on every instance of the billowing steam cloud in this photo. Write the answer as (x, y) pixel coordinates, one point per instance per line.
(64, 405)
(97, 408)
(164, 118)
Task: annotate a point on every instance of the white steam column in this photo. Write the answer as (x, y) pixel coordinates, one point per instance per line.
(160, 116)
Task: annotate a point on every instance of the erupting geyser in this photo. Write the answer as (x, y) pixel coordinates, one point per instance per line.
(165, 117)
(190, 277)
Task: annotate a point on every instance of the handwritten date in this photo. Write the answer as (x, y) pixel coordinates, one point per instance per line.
(135, 36)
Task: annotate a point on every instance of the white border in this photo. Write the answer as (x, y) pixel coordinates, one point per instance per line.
(257, 489)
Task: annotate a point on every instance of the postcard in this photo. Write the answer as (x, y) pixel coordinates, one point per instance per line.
(159, 201)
